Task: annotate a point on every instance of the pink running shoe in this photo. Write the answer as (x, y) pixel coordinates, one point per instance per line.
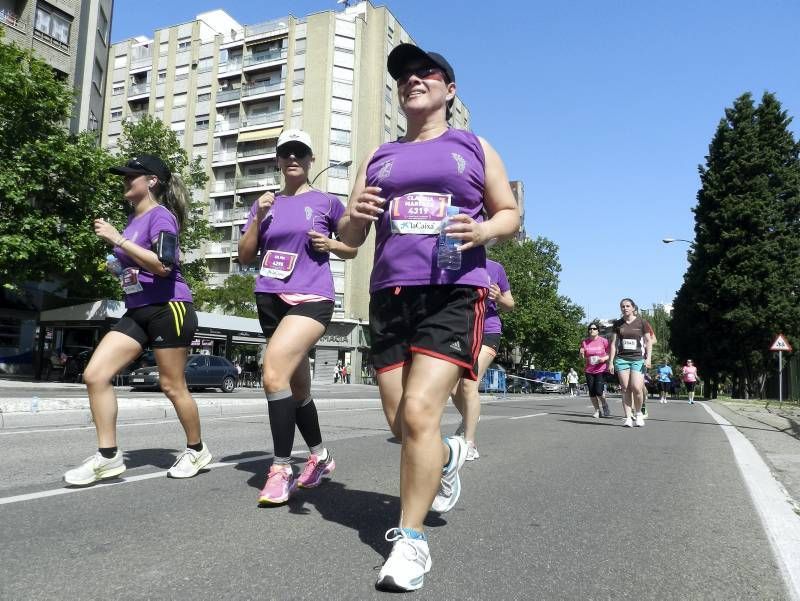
(280, 484)
(315, 469)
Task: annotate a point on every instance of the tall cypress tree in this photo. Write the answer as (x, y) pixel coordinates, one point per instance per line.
(741, 287)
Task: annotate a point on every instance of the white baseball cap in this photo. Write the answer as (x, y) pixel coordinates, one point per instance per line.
(295, 135)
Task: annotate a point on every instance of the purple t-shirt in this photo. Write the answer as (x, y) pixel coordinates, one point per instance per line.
(143, 230)
(289, 263)
(497, 275)
(451, 164)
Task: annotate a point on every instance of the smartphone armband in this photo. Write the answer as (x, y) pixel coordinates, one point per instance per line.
(166, 248)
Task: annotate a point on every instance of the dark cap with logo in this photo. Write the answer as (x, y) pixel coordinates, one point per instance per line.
(144, 164)
(404, 54)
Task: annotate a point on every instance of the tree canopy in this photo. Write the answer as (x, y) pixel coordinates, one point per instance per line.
(742, 284)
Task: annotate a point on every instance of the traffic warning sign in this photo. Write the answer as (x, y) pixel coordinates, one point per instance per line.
(781, 344)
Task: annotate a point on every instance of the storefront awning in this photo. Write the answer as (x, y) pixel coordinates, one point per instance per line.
(259, 134)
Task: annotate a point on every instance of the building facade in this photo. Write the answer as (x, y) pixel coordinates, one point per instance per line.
(73, 37)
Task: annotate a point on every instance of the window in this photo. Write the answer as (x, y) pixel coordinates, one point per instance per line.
(92, 121)
(201, 122)
(342, 74)
(178, 100)
(343, 59)
(159, 105)
(205, 64)
(116, 115)
(162, 75)
(178, 127)
(102, 25)
(184, 44)
(181, 72)
(339, 136)
(120, 61)
(335, 170)
(204, 97)
(300, 46)
(52, 23)
(342, 90)
(338, 303)
(342, 43)
(117, 88)
(163, 48)
(299, 75)
(340, 105)
(97, 75)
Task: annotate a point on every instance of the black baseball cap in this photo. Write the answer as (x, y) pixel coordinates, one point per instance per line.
(402, 55)
(144, 164)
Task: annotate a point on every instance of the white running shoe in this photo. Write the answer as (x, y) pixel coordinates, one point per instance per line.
(95, 468)
(628, 422)
(407, 564)
(189, 463)
(596, 414)
(450, 484)
(640, 420)
(472, 451)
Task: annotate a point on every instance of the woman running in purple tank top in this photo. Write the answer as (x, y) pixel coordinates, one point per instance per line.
(426, 322)
(294, 295)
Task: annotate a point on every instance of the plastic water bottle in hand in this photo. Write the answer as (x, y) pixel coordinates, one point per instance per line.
(448, 256)
(114, 266)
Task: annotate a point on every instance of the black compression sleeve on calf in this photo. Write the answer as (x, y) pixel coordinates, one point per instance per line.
(281, 407)
(308, 424)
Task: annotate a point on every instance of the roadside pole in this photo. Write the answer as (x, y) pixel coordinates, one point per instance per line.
(780, 344)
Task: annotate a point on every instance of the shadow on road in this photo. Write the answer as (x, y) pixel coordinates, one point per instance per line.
(158, 458)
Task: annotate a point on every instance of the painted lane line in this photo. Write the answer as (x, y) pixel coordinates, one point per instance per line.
(525, 416)
(773, 504)
(117, 482)
(171, 420)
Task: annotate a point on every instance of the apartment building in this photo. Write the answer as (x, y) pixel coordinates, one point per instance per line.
(228, 90)
(73, 37)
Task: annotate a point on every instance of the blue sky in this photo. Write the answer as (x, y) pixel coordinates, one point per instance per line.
(603, 109)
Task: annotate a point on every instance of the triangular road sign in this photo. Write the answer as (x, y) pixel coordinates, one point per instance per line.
(781, 344)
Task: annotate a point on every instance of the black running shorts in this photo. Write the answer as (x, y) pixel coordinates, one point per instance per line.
(689, 386)
(165, 325)
(272, 308)
(595, 383)
(443, 321)
(492, 341)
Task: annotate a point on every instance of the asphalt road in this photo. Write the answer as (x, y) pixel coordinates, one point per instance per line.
(559, 506)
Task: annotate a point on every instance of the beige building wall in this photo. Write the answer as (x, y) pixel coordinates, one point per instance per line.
(325, 73)
(73, 37)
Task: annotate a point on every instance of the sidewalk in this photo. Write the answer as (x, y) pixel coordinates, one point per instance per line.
(774, 433)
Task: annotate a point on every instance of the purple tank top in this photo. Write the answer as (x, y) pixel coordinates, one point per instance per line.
(497, 275)
(451, 164)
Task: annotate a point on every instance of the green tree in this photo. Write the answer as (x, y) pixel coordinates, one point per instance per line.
(741, 287)
(544, 325)
(234, 297)
(662, 351)
(152, 136)
(52, 186)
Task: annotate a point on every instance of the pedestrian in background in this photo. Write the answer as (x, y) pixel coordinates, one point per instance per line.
(631, 349)
(664, 381)
(426, 322)
(594, 351)
(295, 297)
(690, 376)
(466, 396)
(572, 382)
(159, 313)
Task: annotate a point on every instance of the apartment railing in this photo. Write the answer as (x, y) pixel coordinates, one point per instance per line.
(138, 88)
(264, 57)
(230, 214)
(262, 87)
(225, 185)
(261, 181)
(220, 126)
(228, 95)
(255, 151)
(262, 118)
(230, 66)
(226, 155)
(262, 28)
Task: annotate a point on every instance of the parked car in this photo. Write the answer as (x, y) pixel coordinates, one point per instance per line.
(202, 371)
(549, 386)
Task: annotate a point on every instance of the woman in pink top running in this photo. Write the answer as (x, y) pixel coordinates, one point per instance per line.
(594, 350)
(689, 376)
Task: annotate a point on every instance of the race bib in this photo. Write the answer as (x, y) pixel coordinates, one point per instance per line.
(594, 360)
(129, 278)
(419, 213)
(278, 264)
(630, 344)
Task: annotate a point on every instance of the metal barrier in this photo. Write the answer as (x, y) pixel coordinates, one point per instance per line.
(494, 380)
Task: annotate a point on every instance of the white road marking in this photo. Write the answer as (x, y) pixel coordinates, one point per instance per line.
(774, 505)
(524, 416)
(116, 482)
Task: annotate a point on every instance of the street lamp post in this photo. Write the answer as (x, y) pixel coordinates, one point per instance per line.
(337, 164)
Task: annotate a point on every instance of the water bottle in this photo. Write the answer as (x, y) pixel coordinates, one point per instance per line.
(35, 404)
(113, 264)
(447, 254)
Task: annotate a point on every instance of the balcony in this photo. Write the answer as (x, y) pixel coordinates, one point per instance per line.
(262, 182)
(224, 128)
(12, 20)
(262, 119)
(223, 156)
(265, 29)
(262, 88)
(230, 215)
(254, 153)
(136, 116)
(220, 248)
(229, 68)
(258, 58)
(222, 187)
(139, 89)
(228, 95)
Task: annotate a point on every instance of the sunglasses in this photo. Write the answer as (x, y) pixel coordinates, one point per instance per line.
(421, 73)
(590, 329)
(299, 152)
